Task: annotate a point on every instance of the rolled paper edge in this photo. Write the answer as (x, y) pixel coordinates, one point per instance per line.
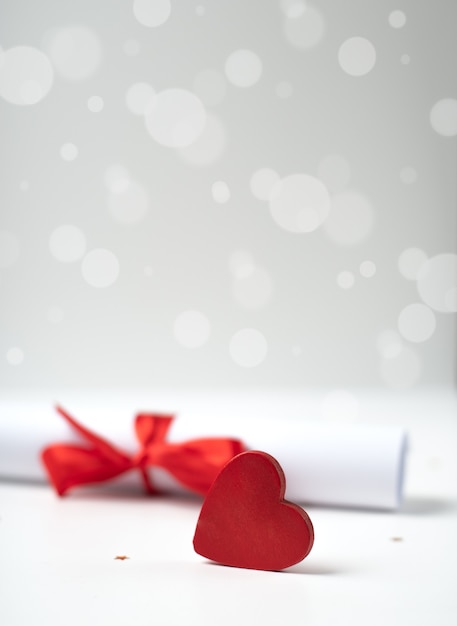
(401, 470)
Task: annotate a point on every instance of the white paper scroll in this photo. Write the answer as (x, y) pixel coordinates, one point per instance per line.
(347, 465)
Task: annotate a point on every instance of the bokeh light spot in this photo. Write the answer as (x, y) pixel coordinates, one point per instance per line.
(75, 52)
(416, 322)
(116, 178)
(15, 356)
(253, 288)
(243, 68)
(152, 13)
(304, 26)
(410, 261)
(435, 280)
(443, 117)
(241, 263)
(397, 19)
(220, 192)
(100, 268)
(192, 329)
(299, 203)
(357, 56)
(139, 97)
(389, 344)
(26, 75)
(129, 204)
(67, 243)
(262, 183)
(292, 8)
(209, 146)
(31, 92)
(345, 279)
(95, 104)
(248, 347)
(69, 152)
(367, 269)
(350, 219)
(175, 118)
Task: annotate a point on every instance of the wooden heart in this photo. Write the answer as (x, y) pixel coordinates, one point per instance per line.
(245, 521)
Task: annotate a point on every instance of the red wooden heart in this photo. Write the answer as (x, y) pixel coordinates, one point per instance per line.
(245, 521)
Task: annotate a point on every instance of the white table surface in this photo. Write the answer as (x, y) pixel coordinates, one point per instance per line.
(58, 566)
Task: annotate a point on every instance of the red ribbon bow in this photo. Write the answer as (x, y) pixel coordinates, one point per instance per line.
(195, 463)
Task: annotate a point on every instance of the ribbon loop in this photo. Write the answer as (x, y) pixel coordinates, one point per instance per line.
(195, 463)
(152, 427)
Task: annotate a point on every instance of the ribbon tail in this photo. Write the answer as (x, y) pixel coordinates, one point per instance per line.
(101, 444)
(70, 465)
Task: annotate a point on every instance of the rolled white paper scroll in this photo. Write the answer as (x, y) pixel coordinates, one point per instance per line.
(345, 465)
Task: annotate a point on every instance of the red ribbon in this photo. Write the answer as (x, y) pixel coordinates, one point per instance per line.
(195, 463)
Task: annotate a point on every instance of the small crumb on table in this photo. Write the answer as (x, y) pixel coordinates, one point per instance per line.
(396, 538)
(121, 557)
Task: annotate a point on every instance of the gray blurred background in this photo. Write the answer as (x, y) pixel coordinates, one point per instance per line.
(239, 193)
